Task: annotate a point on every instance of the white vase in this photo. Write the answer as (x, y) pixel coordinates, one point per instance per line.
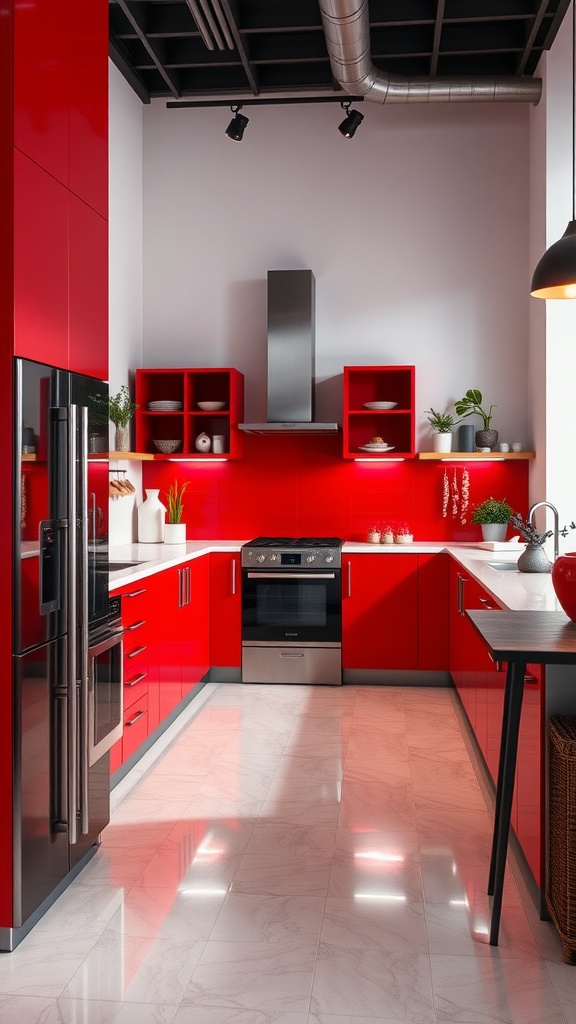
(175, 533)
(442, 442)
(203, 443)
(151, 519)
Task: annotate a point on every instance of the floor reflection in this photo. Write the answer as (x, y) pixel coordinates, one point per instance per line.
(295, 855)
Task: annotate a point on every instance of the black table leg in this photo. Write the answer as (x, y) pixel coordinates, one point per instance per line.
(506, 773)
(504, 732)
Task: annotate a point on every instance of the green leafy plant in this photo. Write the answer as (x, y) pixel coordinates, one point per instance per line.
(441, 422)
(471, 404)
(174, 498)
(121, 407)
(492, 511)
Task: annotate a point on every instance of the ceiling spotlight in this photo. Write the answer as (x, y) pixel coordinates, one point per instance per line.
(351, 121)
(235, 129)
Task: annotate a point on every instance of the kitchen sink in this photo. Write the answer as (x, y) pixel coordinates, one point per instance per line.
(504, 566)
(115, 566)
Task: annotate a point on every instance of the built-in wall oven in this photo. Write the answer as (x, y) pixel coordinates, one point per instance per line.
(292, 610)
(105, 712)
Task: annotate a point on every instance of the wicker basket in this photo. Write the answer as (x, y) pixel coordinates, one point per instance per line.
(561, 883)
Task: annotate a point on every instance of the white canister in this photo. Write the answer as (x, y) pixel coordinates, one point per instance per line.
(151, 519)
(218, 444)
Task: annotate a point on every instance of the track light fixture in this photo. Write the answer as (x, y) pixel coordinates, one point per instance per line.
(351, 121)
(235, 129)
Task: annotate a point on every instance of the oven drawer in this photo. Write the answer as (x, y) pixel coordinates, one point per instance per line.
(312, 665)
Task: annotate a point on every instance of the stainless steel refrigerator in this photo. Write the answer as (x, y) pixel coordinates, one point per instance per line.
(67, 646)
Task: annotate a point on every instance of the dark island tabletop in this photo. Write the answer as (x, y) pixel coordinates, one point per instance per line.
(541, 637)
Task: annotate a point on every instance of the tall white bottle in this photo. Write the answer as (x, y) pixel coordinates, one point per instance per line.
(151, 519)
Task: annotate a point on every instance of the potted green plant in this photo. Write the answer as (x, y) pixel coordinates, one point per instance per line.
(493, 516)
(442, 424)
(121, 408)
(175, 529)
(471, 405)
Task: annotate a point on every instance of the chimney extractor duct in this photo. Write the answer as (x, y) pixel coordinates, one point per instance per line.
(291, 344)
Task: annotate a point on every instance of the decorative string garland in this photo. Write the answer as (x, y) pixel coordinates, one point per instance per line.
(455, 497)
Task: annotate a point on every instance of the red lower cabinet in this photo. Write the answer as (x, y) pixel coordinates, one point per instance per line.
(169, 628)
(139, 667)
(196, 623)
(480, 684)
(135, 726)
(380, 612)
(432, 612)
(225, 610)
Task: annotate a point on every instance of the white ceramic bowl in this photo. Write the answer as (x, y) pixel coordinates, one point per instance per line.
(380, 405)
(167, 447)
(211, 406)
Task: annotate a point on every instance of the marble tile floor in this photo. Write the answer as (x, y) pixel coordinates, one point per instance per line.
(295, 855)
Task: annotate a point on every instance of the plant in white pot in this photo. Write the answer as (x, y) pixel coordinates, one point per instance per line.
(493, 516)
(121, 410)
(175, 529)
(442, 424)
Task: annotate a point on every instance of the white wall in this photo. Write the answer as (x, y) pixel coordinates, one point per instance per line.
(553, 323)
(416, 230)
(125, 270)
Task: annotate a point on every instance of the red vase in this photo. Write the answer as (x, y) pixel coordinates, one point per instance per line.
(564, 582)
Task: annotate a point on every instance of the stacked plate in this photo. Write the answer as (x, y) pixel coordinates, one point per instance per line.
(380, 405)
(165, 406)
(376, 448)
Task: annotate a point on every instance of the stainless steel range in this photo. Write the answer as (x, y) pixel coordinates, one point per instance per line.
(292, 610)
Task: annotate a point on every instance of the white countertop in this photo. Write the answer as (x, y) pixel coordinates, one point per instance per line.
(517, 591)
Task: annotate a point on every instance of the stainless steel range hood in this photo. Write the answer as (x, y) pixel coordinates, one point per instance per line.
(291, 345)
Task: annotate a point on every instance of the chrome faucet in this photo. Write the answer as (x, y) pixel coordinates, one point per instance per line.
(548, 504)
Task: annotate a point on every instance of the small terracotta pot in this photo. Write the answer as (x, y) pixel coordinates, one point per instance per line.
(564, 582)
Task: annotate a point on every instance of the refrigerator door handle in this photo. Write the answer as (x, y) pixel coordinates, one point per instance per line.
(72, 622)
(84, 668)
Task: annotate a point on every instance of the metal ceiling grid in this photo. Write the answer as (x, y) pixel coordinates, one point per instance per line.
(239, 48)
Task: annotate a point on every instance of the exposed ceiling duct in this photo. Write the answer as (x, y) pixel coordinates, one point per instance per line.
(347, 30)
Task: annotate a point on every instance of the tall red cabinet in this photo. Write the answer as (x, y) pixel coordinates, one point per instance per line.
(53, 244)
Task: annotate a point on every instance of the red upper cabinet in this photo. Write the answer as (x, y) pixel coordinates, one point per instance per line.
(40, 264)
(41, 83)
(379, 404)
(88, 291)
(88, 123)
(183, 405)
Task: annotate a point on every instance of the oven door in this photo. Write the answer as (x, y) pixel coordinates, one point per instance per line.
(291, 606)
(105, 695)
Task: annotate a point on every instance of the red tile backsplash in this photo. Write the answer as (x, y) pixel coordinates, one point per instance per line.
(300, 485)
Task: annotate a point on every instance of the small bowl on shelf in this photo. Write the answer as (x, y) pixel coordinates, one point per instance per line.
(167, 447)
(211, 406)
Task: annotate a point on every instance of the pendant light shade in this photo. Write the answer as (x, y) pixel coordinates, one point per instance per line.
(555, 274)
